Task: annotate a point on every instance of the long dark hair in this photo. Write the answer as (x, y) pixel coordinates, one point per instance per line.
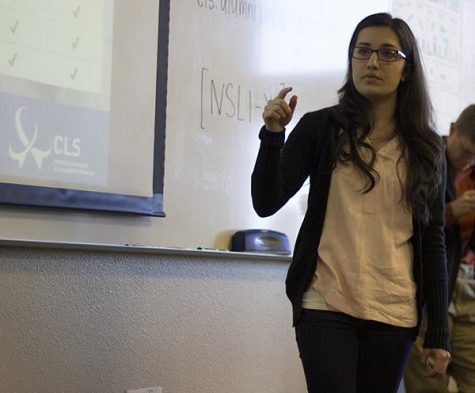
(421, 146)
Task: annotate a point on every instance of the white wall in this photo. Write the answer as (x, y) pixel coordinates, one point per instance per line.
(90, 321)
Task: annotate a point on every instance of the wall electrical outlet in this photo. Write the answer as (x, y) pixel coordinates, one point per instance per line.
(156, 389)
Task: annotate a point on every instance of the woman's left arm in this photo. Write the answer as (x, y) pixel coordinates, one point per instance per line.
(434, 269)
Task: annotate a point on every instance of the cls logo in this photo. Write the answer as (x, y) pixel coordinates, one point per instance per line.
(62, 145)
(28, 144)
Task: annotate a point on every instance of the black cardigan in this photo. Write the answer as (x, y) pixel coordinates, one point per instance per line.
(280, 171)
(453, 238)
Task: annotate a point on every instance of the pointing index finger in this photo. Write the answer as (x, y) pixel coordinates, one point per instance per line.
(284, 92)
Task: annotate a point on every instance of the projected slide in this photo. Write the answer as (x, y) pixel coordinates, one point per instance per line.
(78, 100)
(56, 56)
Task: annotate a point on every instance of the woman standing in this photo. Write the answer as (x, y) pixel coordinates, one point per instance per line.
(370, 252)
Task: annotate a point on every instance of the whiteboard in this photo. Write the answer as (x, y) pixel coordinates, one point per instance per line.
(226, 58)
(446, 35)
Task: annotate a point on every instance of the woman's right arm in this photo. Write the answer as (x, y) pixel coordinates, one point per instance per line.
(280, 169)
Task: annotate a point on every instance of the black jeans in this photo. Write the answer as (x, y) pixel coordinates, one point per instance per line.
(343, 354)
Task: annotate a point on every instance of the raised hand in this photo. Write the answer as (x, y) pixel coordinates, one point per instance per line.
(277, 113)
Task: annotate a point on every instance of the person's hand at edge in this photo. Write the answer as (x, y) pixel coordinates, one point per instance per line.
(464, 204)
(277, 113)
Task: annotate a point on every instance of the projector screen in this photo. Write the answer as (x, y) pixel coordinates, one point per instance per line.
(74, 131)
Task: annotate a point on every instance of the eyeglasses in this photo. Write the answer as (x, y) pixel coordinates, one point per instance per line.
(384, 54)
